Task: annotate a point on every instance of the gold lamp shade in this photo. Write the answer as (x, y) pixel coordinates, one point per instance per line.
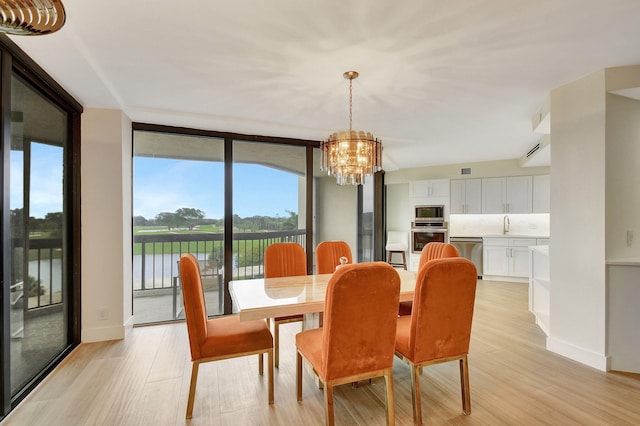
(31, 17)
(351, 155)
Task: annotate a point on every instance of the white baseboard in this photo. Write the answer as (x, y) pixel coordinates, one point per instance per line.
(576, 353)
(503, 278)
(103, 334)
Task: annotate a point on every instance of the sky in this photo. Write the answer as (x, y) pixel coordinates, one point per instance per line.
(46, 180)
(165, 185)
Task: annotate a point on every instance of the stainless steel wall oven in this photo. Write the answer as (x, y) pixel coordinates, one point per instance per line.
(422, 234)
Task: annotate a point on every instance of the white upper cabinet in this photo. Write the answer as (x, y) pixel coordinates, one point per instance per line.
(507, 195)
(429, 188)
(494, 195)
(466, 196)
(541, 194)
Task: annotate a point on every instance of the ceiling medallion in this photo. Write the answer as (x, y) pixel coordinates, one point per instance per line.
(351, 155)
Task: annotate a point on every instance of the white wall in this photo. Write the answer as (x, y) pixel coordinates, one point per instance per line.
(594, 187)
(106, 224)
(577, 251)
(623, 176)
(399, 214)
(336, 209)
(453, 171)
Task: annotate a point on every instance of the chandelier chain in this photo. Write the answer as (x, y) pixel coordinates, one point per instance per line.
(350, 104)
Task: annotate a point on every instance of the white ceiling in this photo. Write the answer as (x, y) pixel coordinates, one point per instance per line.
(441, 82)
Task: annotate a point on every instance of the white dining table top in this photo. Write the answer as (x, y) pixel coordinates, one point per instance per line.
(276, 297)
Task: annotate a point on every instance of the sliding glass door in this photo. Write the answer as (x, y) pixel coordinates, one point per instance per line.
(39, 281)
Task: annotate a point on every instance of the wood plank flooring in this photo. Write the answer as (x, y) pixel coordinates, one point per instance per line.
(144, 380)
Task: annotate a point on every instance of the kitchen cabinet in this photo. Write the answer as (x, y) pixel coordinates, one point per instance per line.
(507, 194)
(506, 257)
(541, 194)
(539, 286)
(466, 196)
(429, 188)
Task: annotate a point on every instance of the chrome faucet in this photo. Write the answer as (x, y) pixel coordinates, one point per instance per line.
(505, 224)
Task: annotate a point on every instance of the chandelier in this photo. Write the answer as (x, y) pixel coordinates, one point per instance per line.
(350, 155)
(31, 17)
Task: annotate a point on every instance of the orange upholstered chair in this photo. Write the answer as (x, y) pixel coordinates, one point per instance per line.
(219, 338)
(284, 260)
(357, 340)
(431, 251)
(439, 328)
(328, 254)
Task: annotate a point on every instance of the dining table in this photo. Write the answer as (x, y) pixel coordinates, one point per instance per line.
(260, 298)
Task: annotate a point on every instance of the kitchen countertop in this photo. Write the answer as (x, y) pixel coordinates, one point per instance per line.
(513, 236)
(497, 236)
(630, 261)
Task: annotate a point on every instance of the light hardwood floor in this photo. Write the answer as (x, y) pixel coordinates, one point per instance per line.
(144, 380)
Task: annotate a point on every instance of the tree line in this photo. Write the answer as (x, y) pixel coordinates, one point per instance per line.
(190, 218)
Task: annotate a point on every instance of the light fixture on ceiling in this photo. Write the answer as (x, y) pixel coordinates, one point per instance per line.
(350, 155)
(31, 17)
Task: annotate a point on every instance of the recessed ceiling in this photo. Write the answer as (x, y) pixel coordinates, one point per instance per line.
(440, 82)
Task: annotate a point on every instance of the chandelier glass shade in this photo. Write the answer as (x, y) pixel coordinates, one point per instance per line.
(350, 155)
(31, 17)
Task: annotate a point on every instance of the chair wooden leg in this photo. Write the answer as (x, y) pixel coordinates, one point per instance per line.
(415, 395)
(464, 385)
(270, 373)
(192, 389)
(299, 376)
(328, 404)
(404, 261)
(260, 365)
(276, 343)
(388, 379)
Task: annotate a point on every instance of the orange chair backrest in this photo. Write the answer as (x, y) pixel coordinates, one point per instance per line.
(195, 308)
(328, 254)
(442, 309)
(284, 260)
(360, 317)
(436, 250)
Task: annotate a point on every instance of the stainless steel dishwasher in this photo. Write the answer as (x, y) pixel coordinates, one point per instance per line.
(470, 248)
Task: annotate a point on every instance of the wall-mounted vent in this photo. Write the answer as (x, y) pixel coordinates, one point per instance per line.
(465, 171)
(539, 154)
(534, 150)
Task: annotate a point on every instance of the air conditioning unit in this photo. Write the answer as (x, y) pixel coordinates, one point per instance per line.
(538, 155)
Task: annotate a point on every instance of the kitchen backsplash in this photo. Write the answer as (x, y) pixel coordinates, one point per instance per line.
(478, 225)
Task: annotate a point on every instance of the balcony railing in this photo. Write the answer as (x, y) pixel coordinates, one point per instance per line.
(155, 266)
(156, 256)
(43, 286)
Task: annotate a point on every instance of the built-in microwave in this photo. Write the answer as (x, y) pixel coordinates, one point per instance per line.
(428, 214)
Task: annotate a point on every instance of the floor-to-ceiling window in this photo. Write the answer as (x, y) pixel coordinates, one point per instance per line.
(219, 197)
(269, 201)
(39, 280)
(178, 207)
(371, 219)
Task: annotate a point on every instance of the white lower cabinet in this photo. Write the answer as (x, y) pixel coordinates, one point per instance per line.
(506, 257)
